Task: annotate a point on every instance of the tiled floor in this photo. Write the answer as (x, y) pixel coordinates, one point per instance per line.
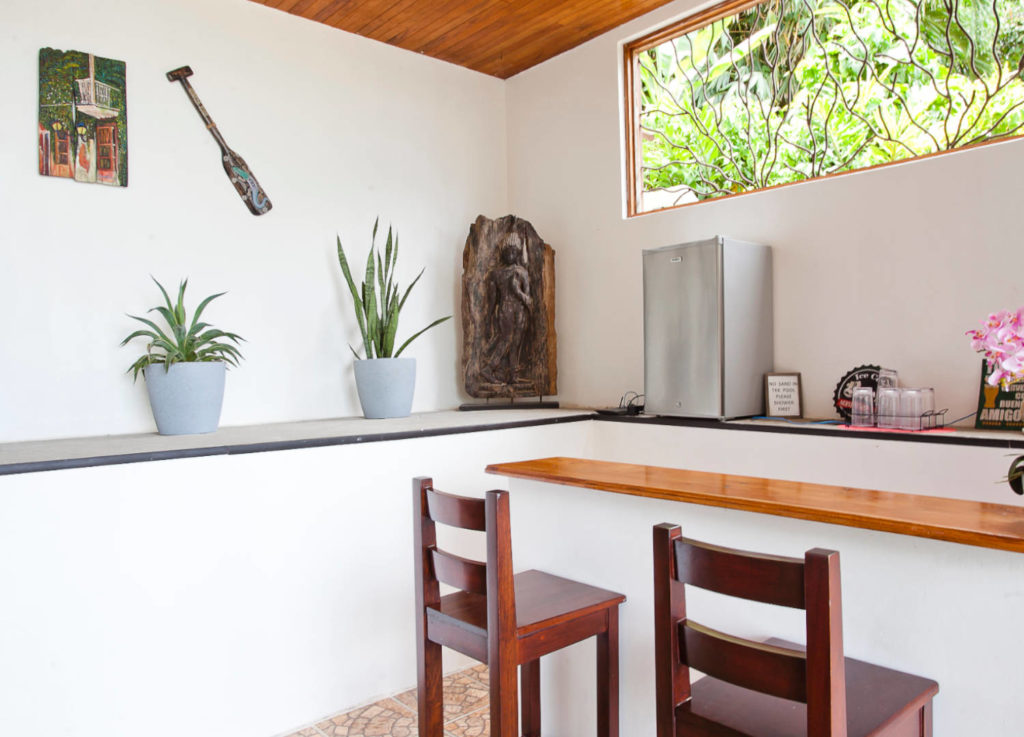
(466, 712)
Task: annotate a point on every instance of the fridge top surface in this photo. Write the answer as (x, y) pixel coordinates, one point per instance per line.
(713, 241)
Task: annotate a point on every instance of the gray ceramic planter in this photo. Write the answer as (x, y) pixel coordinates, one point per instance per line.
(386, 386)
(187, 399)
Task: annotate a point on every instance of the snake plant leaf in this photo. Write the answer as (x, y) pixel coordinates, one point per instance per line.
(377, 301)
(406, 295)
(392, 328)
(372, 330)
(394, 254)
(389, 252)
(370, 306)
(393, 298)
(380, 273)
(353, 291)
(368, 282)
(438, 321)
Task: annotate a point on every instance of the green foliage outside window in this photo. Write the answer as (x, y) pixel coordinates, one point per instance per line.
(790, 90)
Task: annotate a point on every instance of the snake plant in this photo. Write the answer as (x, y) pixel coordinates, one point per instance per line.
(183, 341)
(376, 301)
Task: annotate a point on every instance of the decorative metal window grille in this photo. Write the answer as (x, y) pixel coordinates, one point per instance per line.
(745, 97)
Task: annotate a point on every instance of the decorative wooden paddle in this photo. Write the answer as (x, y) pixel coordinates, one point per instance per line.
(237, 170)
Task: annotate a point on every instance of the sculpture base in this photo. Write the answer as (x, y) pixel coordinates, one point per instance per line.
(503, 403)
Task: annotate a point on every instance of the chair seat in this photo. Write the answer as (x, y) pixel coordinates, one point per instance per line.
(542, 600)
(875, 697)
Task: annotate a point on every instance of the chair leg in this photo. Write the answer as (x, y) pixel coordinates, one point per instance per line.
(504, 699)
(529, 676)
(608, 677)
(926, 719)
(429, 689)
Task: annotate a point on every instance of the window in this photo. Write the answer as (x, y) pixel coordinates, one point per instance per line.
(746, 96)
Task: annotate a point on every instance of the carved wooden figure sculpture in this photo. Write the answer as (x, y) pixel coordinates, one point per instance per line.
(508, 310)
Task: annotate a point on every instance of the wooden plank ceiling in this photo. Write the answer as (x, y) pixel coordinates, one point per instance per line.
(496, 37)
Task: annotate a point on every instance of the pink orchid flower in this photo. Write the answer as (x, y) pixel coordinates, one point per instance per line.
(1001, 339)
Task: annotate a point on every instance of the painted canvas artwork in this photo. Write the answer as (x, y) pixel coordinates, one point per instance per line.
(83, 120)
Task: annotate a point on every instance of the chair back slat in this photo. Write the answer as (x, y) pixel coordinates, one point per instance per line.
(456, 511)
(816, 678)
(493, 579)
(772, 670)
(766, 578)
(462, 573)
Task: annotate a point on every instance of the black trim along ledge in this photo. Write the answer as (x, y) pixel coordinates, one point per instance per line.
(54, 461)
(1009, 440)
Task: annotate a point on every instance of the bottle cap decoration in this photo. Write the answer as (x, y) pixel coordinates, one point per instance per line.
(842, 398)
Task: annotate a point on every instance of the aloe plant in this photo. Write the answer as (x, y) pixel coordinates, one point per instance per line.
(184, 341)
(376, 301)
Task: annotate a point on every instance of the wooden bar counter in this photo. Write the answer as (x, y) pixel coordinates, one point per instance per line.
(980, 524)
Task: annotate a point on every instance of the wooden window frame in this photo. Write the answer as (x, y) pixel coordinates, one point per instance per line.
(632, 93)
(631, 107)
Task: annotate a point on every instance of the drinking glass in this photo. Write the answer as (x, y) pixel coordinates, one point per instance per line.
(862, 413)
(888, 378)
(889, 407)
(912, 406)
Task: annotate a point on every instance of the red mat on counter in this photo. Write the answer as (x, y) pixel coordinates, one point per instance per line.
(896, 430)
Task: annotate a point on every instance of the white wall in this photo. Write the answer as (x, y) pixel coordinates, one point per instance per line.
(888, 266)
(223, 594)
(228, 596)
(338, 129)
(247, 595)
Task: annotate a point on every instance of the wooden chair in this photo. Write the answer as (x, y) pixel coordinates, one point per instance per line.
(501, 619)
(775, 688)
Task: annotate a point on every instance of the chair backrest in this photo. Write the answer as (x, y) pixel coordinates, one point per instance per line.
(492, 579)
(815, 676)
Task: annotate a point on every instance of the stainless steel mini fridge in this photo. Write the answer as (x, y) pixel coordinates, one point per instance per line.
(707, 328)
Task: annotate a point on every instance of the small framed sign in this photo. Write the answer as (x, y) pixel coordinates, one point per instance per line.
(783, 396)
(998, 408)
